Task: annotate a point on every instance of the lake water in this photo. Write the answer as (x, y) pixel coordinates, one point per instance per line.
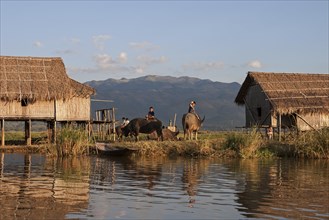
(33, 186)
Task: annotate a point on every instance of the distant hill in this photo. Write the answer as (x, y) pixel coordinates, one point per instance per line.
(170, 95)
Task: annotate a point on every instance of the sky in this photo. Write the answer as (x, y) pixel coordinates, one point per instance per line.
(216, 40)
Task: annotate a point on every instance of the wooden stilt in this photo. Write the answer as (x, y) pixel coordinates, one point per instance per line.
(113, 120)
(28, 136)
(3, 132)
(2, 163)
(50, 131)
(54, 131)
(279, 126)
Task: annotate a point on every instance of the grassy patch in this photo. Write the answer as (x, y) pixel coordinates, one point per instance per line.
(18, 137)
(311, 144)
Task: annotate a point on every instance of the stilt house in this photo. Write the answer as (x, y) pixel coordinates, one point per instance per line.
(289, 100)
(39, 89)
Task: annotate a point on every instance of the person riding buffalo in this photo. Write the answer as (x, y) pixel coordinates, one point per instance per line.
(150, 115)
(191, 108)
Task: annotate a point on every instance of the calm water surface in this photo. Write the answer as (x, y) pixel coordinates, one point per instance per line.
(36, 187)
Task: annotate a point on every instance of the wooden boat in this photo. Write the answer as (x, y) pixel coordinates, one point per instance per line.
(105, 148)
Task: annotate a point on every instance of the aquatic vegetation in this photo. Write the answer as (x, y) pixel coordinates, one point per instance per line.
(312, 144)
(246, 145)
(71, 141)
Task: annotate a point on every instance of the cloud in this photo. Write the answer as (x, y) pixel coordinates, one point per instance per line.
(99, 41)
(151, 60)
(204, 66)
(145, 45)
(122, 57)
(81, 69)
(103, 61)
(75, 40)
(38, 44)
(65, 51)
(139, 69)
(255, 64)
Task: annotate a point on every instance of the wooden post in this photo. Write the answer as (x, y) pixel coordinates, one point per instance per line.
(3, 132)
(175, 120)
(89, 129)
(55, 118)
(113, 120)
(2, 164)
(28, 133)
(54, 131)
(51, 133)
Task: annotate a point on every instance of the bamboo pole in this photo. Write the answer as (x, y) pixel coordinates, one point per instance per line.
(113, 120)
(175, 120)
(3, 132)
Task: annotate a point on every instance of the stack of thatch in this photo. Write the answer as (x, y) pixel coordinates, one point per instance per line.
(37, 78)
(290, 92)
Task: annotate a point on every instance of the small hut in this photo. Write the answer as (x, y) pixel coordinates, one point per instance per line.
(39, 89)
(289, 100)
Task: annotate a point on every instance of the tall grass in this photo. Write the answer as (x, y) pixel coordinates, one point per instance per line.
(71, 141)
(245, 145)
(312, 144)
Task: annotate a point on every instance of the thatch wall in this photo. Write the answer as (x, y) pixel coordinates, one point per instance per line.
(41, 82)
(290, 92)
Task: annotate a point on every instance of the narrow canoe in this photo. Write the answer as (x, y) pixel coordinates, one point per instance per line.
(106, 149)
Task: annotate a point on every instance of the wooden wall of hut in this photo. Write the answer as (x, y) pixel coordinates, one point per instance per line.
(74, 109)
(15, 110)
(258, 108)
(312, 121)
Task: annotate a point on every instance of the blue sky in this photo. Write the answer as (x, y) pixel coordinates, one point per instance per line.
(216, 40)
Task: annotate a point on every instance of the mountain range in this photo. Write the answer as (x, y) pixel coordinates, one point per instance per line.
(171, 96)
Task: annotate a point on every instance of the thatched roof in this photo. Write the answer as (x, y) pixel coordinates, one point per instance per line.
(290, 92)
(37, 78)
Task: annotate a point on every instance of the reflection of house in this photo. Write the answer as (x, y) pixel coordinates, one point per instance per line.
(292, 100)
(38, 89)
(30, 189)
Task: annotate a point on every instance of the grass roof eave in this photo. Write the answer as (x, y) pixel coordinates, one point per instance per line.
(38, 78)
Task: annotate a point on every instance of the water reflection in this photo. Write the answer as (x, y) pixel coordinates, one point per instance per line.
(284, 188)
(33, 187)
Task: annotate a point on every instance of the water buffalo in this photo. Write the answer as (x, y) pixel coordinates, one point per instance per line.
(167, 135)
(191, 123)
(141, 125)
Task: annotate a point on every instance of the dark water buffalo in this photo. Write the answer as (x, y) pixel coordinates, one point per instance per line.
(141, 125)
(167, 135)
(191, 124)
